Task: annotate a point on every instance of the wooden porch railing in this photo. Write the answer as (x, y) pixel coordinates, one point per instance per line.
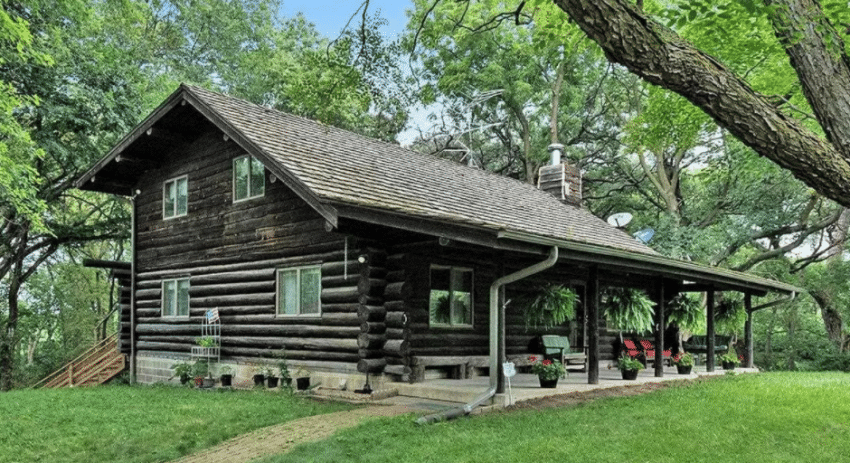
(95, 366)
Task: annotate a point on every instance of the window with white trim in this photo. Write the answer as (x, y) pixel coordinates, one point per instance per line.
(450, 301)
(175, 197)
(175, 297)
(299, 291)
(249, 180)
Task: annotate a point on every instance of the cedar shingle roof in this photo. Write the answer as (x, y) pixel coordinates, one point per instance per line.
(343, 168)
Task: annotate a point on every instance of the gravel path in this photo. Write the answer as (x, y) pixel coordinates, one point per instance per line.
(281, 438)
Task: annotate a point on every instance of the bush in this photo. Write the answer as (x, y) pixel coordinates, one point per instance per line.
(834, 361)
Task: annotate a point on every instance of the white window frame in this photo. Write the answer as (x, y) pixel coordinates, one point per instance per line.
(175, 213)
(175, 297)
(251, 194)
(278, 291)
(453, 268)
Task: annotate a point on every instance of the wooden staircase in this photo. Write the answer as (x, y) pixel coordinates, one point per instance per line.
(96, 366)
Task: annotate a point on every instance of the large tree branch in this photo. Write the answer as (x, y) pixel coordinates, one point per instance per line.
(656, 54)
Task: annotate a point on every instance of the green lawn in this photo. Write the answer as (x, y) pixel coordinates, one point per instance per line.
(782, 417)
(134, 424)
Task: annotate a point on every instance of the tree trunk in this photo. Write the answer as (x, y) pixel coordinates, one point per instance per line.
(659, 56)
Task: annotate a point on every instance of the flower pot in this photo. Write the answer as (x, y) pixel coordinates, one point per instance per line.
(259, 380)
(272, 381)
(226, 380)
(548, 383)
(630, 374)
(302, 383)
(684, 370)
(728, 365)
(199, 381)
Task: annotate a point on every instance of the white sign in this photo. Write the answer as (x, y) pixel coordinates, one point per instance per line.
(509, 368)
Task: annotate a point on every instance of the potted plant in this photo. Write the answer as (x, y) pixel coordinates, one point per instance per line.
(285, 376)
(183, 371)
(547, 371)
(302, 378)
(199, 370)
(629, 367)
(684, 363)
(226, 374)
(271, 379)
(551, 306)
(729, 361)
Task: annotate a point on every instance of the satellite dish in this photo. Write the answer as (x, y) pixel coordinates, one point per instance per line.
(644, 235)
(620, 219)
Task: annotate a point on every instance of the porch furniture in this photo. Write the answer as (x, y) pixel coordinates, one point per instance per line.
(558, 347)
(698, 344)
(460, 367)
(649, 352)
(631, 348)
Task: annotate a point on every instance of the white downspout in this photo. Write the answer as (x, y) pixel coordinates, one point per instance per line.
(494, 338)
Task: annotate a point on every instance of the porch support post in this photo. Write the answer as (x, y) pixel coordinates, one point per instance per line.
(500, 385)
(592, 307)
(659, 328)
(748, 329)
(709, 330)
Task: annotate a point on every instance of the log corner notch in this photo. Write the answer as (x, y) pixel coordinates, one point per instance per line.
(371, 313)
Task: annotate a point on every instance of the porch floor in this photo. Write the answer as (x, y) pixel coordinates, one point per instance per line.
(527, 386)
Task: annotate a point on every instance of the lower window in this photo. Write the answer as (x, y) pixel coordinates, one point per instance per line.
(299, 290)
(175, 297)
(450, 301)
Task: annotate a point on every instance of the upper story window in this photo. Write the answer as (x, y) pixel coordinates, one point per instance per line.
(175, 197)
(450, 302)
(175, 297)
(249, 180)
(299, 291)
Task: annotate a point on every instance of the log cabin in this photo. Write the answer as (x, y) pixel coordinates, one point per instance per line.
(357, 256)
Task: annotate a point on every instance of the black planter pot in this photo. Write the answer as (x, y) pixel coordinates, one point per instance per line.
(199, 381)
(272, 381)
(548, 383)
(259, 380)
(684, 370)
(630, 374)
(226, 380)
(302, 383)
(728, 365)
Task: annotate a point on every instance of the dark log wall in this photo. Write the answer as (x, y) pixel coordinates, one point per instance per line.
(407, 303)
(230, 252)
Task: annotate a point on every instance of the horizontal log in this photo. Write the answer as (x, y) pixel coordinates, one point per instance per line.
(266, 274)
(371, 271)
(371, 313)
(149, 312)
(396, 319)
(322, 344)
(228, 288)
(291, 354)
(373, 328)
(398, 370)
(344, 307)
(371, 341)
(398, 291)
(372, 366)
(343, 294)
(352, 267)
(163, 346)
(247, 309)
(372, 286)
(350, 332)
(397, 347)
(336, 281)
(397, 333)
(233, 300)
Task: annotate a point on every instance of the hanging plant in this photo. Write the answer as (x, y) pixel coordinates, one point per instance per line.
(729, 315)
(686, 311)
(629, 310)
(551, 306)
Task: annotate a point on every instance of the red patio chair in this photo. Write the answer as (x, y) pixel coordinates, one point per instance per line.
(649, 351)
(631, 348)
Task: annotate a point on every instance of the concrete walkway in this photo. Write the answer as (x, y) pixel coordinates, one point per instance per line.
(281, 438)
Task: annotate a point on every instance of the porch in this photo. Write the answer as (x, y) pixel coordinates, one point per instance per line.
(526, 386)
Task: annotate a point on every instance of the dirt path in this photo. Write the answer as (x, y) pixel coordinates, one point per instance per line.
(280, 438)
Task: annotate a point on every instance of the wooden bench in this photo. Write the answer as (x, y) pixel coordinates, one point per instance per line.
(460, 366)
(558, 348)
(698, 344)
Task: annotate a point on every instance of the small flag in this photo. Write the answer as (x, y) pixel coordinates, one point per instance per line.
(212, 315)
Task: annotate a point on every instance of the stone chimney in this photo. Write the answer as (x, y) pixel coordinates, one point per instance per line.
(561, 180)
